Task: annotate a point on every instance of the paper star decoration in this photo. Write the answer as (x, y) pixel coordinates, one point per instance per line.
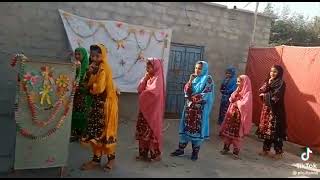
(141, 32)
(66, 15)
(119, 24)
(131, 30)
(120, 44)
(122, 63)
(91, 23)
(140, 56)
(79, 42)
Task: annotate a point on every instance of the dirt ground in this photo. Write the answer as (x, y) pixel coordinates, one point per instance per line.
(210, 163)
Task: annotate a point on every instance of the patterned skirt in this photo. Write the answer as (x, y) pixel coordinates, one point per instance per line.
(232, 123)
(96, 119)
(145, 136)
(267, 125)
(81, 106)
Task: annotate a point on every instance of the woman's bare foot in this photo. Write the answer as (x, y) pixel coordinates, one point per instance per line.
(158, 158)
(109, 165)
(235, 156)
(224, 152)
(142, 158)
(264, 153)
(277, 156)
(89, 166)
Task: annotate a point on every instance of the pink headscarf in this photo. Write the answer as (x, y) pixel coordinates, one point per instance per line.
(152, 99)
(244, 103)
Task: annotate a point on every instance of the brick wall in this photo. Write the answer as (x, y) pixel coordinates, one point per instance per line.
(36, 28)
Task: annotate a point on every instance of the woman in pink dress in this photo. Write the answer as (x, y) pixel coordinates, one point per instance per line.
(151, 92)
(238, 119)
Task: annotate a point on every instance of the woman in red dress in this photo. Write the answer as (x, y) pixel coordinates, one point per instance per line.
(272, 126)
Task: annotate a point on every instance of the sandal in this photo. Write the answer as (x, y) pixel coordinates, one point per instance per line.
(235, 156)
(142, 158)
(178, 152)
(264, 153)
(109, 165)
(224, 152)
(276, 156)
(158, 158)
(89, 166)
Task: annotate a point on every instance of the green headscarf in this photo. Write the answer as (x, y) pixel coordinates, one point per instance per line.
(84, 63)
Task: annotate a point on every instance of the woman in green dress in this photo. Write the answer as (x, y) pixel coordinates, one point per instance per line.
(82, 99)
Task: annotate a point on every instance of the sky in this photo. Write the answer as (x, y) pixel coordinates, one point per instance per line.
(310, 9)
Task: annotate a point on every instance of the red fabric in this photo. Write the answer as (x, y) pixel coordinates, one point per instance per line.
(302, 97)
(152, 99)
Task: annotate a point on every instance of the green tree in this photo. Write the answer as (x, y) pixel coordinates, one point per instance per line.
(292, 29)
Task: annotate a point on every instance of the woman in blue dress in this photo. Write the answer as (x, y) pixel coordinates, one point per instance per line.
(194, 123)
(228, 86)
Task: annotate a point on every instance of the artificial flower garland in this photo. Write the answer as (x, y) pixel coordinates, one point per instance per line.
(24, 132)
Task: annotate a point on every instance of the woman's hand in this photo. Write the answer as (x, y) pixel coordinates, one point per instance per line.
(93, 69)
(77, 63)
(118, 91)
(146, 76)
(192, 77)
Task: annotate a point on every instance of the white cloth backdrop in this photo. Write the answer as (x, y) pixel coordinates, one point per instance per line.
(125, 43)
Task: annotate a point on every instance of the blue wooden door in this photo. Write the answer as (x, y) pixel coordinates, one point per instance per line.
(181, 64)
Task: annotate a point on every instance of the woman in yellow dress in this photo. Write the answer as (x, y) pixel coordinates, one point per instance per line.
(101, 133)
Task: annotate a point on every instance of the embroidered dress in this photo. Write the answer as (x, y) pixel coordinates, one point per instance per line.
(102, 127)
(82, 99)
(272, 126)
(194, 123)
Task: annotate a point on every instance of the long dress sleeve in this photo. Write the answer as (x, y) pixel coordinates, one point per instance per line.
(232, 89)
(278, 107)
(244, 105)
(241, 102)
(142, 85)
(206, 94)
(100, 83)
(208, 90)
(264, 88)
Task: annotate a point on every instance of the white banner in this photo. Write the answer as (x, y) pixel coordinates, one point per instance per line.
(126, 44)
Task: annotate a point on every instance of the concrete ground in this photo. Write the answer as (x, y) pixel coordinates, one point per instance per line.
(209, 164)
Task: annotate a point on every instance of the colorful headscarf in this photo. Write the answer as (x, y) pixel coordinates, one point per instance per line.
(245, 104)
(230, 84)
(84, 63)
(275, 85)
(200, 81)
